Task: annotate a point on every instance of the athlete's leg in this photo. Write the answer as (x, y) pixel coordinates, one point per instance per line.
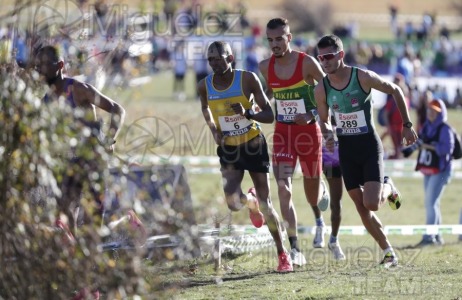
(368, 217)
(312, 193)
(235, 198)
(283, 173)
(261, 183)
(69, 201)
(284, 162)
(336, 192)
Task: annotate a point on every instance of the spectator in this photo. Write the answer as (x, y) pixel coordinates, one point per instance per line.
(180, 68)
(422, 108)
(457, 102)
(393, 117)
(406, 65)
(435, 163)
(201, 69)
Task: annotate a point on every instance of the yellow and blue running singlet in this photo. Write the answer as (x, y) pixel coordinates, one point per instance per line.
(235, 128)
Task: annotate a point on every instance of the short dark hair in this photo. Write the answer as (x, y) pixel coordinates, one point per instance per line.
(51, 51)
(223, 48)
(277, 22)
(330, 40)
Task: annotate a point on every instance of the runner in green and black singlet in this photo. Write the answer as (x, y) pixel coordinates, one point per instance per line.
(346, 91)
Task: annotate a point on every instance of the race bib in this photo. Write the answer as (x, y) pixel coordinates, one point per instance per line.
(351, 123)
(287, 109)
(234, 125)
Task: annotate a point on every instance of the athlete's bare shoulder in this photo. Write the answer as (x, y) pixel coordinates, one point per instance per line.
(368, 78)
(201, 88)
(312, 69)
(263, 66)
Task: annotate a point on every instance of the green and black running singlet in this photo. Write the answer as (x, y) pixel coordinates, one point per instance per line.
(351, 107)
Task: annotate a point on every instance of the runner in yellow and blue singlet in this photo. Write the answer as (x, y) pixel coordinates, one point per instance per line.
(228, 112)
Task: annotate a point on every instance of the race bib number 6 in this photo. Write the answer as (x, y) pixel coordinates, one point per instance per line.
(351, 123)
(234, 125)
(287, 109)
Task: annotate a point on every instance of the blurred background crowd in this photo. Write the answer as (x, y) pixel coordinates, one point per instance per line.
(113, 43)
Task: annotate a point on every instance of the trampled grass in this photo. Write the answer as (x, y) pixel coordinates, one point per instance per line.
(429, 273)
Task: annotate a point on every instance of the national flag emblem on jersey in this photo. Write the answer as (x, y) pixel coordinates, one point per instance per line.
(354, 102)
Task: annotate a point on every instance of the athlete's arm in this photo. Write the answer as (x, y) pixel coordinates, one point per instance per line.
(207, 113)
(312, 70)
(370, 80)
(263, 67)
(85, 95)
(253, 85)
(323, 111)
(312, 73)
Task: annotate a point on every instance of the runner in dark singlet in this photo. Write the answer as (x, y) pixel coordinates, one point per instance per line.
(85, 164)
(347, 92)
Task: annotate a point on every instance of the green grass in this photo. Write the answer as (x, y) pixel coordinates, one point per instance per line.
(432, 273)
(208, 196)
(429, 273)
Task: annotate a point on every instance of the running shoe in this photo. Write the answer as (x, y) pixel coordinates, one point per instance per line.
(336, 251)
(426, 242)
(318, 241)
(297, 257)
(256, 216)
(394, 199)
(388, 261)
(323, 203)
(285, 263)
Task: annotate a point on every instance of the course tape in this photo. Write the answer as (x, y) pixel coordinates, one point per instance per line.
(345, 230)
(241, 244)
(240, 239)
(208, 165)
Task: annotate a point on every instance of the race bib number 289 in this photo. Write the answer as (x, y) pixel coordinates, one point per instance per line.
(351, 123)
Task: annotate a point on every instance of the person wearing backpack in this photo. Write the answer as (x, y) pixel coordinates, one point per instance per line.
(435, 162)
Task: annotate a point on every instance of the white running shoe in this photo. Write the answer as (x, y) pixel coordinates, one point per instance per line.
(323, 203)
(297, 257)
(336, 251)
(318, 241)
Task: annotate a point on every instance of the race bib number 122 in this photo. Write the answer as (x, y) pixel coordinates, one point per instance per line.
(287, 109)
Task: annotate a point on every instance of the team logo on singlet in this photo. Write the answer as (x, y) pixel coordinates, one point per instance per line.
(354, 102)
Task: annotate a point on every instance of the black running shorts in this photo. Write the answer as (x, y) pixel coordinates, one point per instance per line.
(361, 159)
(251, 156)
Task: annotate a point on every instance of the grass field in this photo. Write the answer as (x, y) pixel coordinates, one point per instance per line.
(429, 273)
